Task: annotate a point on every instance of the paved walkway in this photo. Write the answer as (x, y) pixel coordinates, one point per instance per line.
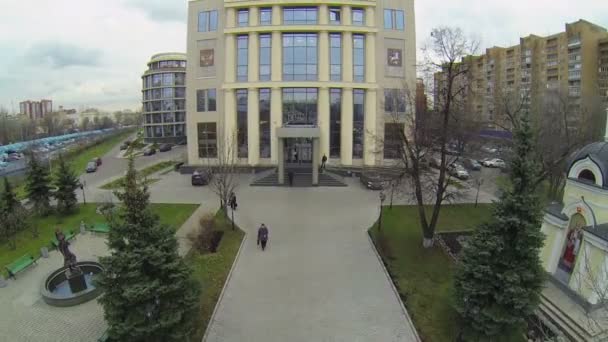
(319, 279)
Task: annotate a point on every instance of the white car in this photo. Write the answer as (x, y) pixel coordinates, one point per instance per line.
(488, 149)
(494, 163)
(458, 171)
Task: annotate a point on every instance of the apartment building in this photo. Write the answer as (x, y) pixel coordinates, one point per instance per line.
(282, 82)
(36, 109)
(566, 67)
(164, 98)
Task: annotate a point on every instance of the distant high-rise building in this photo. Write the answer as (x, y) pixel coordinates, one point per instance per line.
(421, 99)
(570, 66)
(164, 98)
(36, 109)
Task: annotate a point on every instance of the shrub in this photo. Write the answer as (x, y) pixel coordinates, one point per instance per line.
(202, 238)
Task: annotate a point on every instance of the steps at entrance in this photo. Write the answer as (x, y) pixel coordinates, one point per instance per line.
(300, 180)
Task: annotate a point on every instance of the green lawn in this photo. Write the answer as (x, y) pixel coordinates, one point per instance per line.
(211, 270)
(145, 172)
(79, 160)
(173, 215)
(424, 276)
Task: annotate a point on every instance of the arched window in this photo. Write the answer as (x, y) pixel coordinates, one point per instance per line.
(587, 176)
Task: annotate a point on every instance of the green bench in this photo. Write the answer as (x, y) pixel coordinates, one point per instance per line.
(99, 228)
(68, 236)
(19, 265)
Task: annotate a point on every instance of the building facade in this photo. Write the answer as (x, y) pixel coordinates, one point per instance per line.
(36, 109)
(565, 67)
(164, 98)
(283, 81)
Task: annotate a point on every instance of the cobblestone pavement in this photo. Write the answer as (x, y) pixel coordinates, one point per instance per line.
(319, 279)
(24, 316)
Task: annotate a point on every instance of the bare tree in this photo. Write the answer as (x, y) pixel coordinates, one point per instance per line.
(427, 138)
(224, 166)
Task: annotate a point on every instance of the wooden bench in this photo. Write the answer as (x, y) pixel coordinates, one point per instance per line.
(100, 228)
(19, 265)
(68, 236)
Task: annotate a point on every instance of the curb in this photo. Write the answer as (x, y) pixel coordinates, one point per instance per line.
(390, 280)
(219, 300)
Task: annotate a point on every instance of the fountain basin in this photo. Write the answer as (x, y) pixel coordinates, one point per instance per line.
(56, 291)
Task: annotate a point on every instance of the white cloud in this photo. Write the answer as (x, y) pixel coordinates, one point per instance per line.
(93, 52)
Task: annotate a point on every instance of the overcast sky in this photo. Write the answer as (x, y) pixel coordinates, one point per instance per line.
(91, 53)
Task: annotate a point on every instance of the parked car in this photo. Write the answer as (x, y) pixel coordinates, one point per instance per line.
(494, 162)
(149, 151)
(164, 147)
(201, 177)
(488, 149)
(458, 171)
(472, 164)
(374, 181)
(97, 161)
(91, 167)
(124, 146)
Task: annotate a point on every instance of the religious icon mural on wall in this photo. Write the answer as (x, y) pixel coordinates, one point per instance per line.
(394, 57)
(573, 243)
(207, 57)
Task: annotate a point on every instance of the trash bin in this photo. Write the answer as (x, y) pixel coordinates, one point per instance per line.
(44, 252)
(2, 281)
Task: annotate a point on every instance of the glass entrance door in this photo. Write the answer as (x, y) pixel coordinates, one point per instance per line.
(298, 150)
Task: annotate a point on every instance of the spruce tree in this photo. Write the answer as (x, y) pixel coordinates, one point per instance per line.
(14, 217)
(499, 279)
(66, 183)
(37, 186)
(149, 294)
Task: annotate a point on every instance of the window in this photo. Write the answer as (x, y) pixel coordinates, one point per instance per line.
(299, 106)
(394, 101)
(168, 79)
(358, 15)
(300, 57)
(394, 19)
(243, 17)
(242, 58)
(157, 79)
(335, 113)
(241, 123)
(358, 122)
(167, 93)
(393, 148)
(265, 16)
(207, 21)
(207, 140)
(335, 57)
(264, 123)
(180, 79)
(358, 58)
(587, 176)
(334, 15)
(265, 56)
(299, 15)
(206, 100)
(180, 92)
(168, 117)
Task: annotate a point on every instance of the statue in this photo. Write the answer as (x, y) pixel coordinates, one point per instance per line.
(73, 273)
(69, 259)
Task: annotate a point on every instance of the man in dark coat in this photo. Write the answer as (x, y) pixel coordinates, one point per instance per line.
(263, 236)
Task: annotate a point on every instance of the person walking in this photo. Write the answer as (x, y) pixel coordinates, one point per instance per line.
(295, 155)
(263, 236)
(232, 201)
(290, 177)
(323, 161)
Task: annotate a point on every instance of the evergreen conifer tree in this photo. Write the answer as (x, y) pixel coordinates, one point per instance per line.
(66, 183)
(37, 186)
(149, 294)
(500, 276)
(14, 217)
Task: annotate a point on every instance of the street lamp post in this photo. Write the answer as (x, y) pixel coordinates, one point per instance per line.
(479, 182)
(232, 217)
(82, 185)
(382, 197)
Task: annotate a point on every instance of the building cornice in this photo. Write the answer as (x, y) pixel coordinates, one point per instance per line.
(299, 84)
(267, 3)
(300, 28)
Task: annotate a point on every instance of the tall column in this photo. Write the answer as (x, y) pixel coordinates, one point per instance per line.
(370, 16)
(323, 121)
(253, 126)
(346, 15)
(315, 161)
(370, 58)
(371, 139)
(323, 14)
(276, 59)
(230, 17)
(346, 127)
(254, 57)
(230, 58)
(281, 161)
(276, 15)
(276, 121)
(254, 19)
(324, 56)
(230, 122)
(347, 57)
